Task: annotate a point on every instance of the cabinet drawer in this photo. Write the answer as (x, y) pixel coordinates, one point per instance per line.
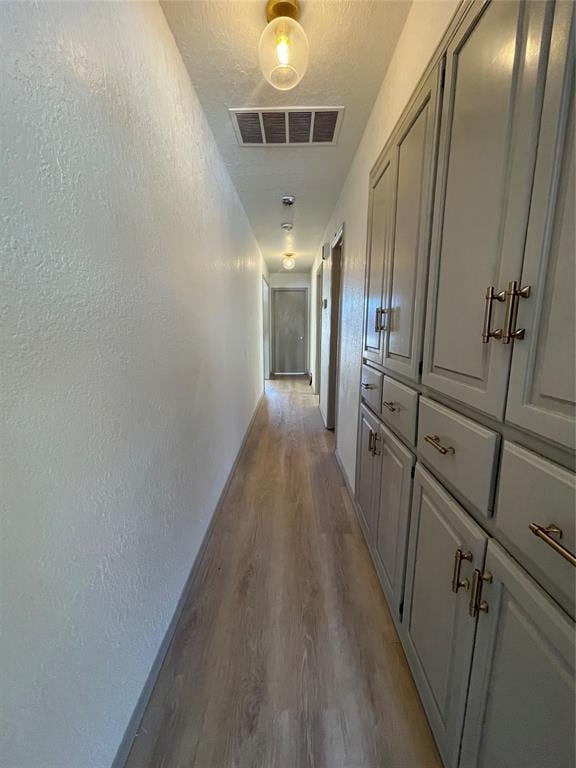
(372, 387)
(463, 452)
(399, 408)
(534, 490)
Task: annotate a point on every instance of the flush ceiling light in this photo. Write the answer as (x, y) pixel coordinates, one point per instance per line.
(289, 262)
(283, 48)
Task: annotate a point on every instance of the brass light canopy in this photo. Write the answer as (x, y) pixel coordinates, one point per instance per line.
(276, 8)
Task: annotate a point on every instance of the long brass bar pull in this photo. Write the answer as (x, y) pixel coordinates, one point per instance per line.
(377, 320)
(369, 386)
(434, 440)
(389, 405)
(489, 300)
(370, 441)
(476, 603)
(383, 314)
(457, 582)
(546, 533)
(513, 296)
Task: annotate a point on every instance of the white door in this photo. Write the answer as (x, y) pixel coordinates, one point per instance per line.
(445, 546)
(542, 392)
(490, 120)
(521, 701)
(405, 293)
(393, 515)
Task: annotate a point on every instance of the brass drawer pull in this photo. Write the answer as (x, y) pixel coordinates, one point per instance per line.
(435, 441)
(546, 533)
(489, 300)
(513, 296)
(456, 581)
(390, 405)
(476, 603)
(369, 386)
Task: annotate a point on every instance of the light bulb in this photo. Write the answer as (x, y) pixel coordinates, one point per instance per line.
(283, 53)
(288, 262)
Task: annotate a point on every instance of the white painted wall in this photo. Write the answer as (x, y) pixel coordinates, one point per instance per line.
(424, 27)
(131, 302)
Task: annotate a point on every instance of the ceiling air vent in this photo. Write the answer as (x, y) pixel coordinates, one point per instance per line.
(291, 127)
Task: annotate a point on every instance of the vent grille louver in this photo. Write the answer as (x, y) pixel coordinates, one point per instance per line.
(293, 126)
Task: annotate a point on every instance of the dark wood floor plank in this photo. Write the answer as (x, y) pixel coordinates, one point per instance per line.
(285, 655)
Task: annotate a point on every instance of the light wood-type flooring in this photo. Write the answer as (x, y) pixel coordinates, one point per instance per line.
(285, 655)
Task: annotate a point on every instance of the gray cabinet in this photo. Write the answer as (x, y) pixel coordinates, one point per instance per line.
(367, 469)
(379, 241)
(542, 390)
(445, 547)
(521, 701)
(393, 512)
(491, 117)
(414, 146)
(401, 188)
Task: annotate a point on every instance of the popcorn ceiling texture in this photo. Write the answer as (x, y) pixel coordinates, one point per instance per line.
(131, 363)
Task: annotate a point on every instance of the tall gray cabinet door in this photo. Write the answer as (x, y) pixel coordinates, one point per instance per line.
(405, 291)
(491, 110)
(521, 701)
(542, 392)
(379, 234)
(366, 467)
(445, 546)
(393, 515)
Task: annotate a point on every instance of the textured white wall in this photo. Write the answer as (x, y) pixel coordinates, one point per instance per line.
(424, 27)
(131, 363)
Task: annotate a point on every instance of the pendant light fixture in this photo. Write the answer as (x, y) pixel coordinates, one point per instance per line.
(283, 48)
(289, 262)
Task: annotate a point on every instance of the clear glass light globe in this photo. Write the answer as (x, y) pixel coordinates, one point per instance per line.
(288, 262)
(283, 53)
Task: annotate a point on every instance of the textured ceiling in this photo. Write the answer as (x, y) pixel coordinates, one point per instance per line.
(351, 42)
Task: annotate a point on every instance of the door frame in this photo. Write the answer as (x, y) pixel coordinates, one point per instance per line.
(266, 343)
(337, 240)
(318, 309)
(274, 292)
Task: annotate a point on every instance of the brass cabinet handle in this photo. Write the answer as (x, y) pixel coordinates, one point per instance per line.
(383, 314)
(489, 300)
(368, 386)
(546, 533)
(390, 405)
(456, 581)
(370, 441)
(435, 441)
(476, 603)
(513, 296)
(377, 320)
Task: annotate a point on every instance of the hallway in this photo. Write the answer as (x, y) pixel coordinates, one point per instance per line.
(285, 654)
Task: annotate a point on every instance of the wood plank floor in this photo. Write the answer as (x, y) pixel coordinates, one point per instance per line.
(285, 655)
